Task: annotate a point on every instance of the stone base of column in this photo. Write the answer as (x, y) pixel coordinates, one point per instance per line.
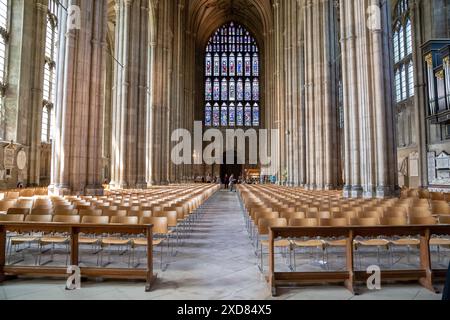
(384, 192)
(329, 187)
(141, 185)
(347, 192)
(356, 192)
(59, 190)
(94, 190)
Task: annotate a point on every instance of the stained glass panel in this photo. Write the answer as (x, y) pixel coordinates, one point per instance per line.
(248, 65)
(255, 115)
(248, 115)
(208, 90)
(216, 65)
(208, 70)
(224, 116)
(232, 115)
(232, 90)
(232, 65)
(240, 115)
(255, 65)
(248, 90)
(240, 65)
(216, 115)
(216, 90)
(224, 90)
(208, 115)
(224, 65)
(240, 90)
(255, 90)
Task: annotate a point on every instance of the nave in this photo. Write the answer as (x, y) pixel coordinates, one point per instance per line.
(216, 261)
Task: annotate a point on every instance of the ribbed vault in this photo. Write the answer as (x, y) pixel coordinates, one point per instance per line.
(205, 16)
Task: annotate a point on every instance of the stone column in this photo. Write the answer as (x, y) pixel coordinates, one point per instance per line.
(366, 61)
(36, 98)
(77, 155)
(129, 104)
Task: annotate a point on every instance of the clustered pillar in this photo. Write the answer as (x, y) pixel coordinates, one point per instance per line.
(77, 149)
(370, 166)
(128, 159)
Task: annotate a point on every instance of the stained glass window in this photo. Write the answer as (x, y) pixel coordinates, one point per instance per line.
(248, 90)
(248, 115)
(208, 115)
(232, 65)
(255, 65)
(224, 115)
(240, 115)
(49, 85)
(208, 63)
(216, 65)
(240, 65)
(208, 90)
(403, 52)
(230, 55)
(224, 65)
(255, 115)
(255, 90)
(232, 90)
(232, 115)
(224, 90)
(248, 65)
(216, 90)
(240, 90)
(216, 115)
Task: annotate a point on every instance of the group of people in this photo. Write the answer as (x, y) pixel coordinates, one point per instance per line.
(230, 183)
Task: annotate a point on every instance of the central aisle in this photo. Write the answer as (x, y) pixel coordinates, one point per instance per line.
(217, 260)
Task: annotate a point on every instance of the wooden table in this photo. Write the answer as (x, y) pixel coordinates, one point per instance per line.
(73, 230)
(425, 275)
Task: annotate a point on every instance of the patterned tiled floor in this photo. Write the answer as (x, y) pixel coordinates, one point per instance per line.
(216, 262)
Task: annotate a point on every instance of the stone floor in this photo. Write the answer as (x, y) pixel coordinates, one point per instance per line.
(216, 262)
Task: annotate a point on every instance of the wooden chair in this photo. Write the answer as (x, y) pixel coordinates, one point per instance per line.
(264, 226)
(160, 234)
(65, 212)
(362, 242)
(440, 208)
(305, 242)
(57, 239)
(22, 211)
(119, 241)
(5, 205)
(42, 212)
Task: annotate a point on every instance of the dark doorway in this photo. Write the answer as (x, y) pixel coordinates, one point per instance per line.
(229, 169)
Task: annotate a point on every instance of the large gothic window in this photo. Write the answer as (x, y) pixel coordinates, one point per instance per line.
(403, 44)
(232, 85)
(4, 37)
(51, 38)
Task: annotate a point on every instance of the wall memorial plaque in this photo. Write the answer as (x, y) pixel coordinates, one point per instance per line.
(443, 161)
(9, 156)
(21, 160)
(414, 164)
(431, 167)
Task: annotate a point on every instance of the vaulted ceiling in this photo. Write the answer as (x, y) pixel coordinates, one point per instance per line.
(205, 16)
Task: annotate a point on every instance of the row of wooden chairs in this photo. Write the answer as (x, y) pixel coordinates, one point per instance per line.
(275, 206)
(168, 221)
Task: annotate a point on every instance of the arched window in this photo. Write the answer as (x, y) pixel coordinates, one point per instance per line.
(232, 70)
(403, 49)
(4, 38)
(51, 38)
